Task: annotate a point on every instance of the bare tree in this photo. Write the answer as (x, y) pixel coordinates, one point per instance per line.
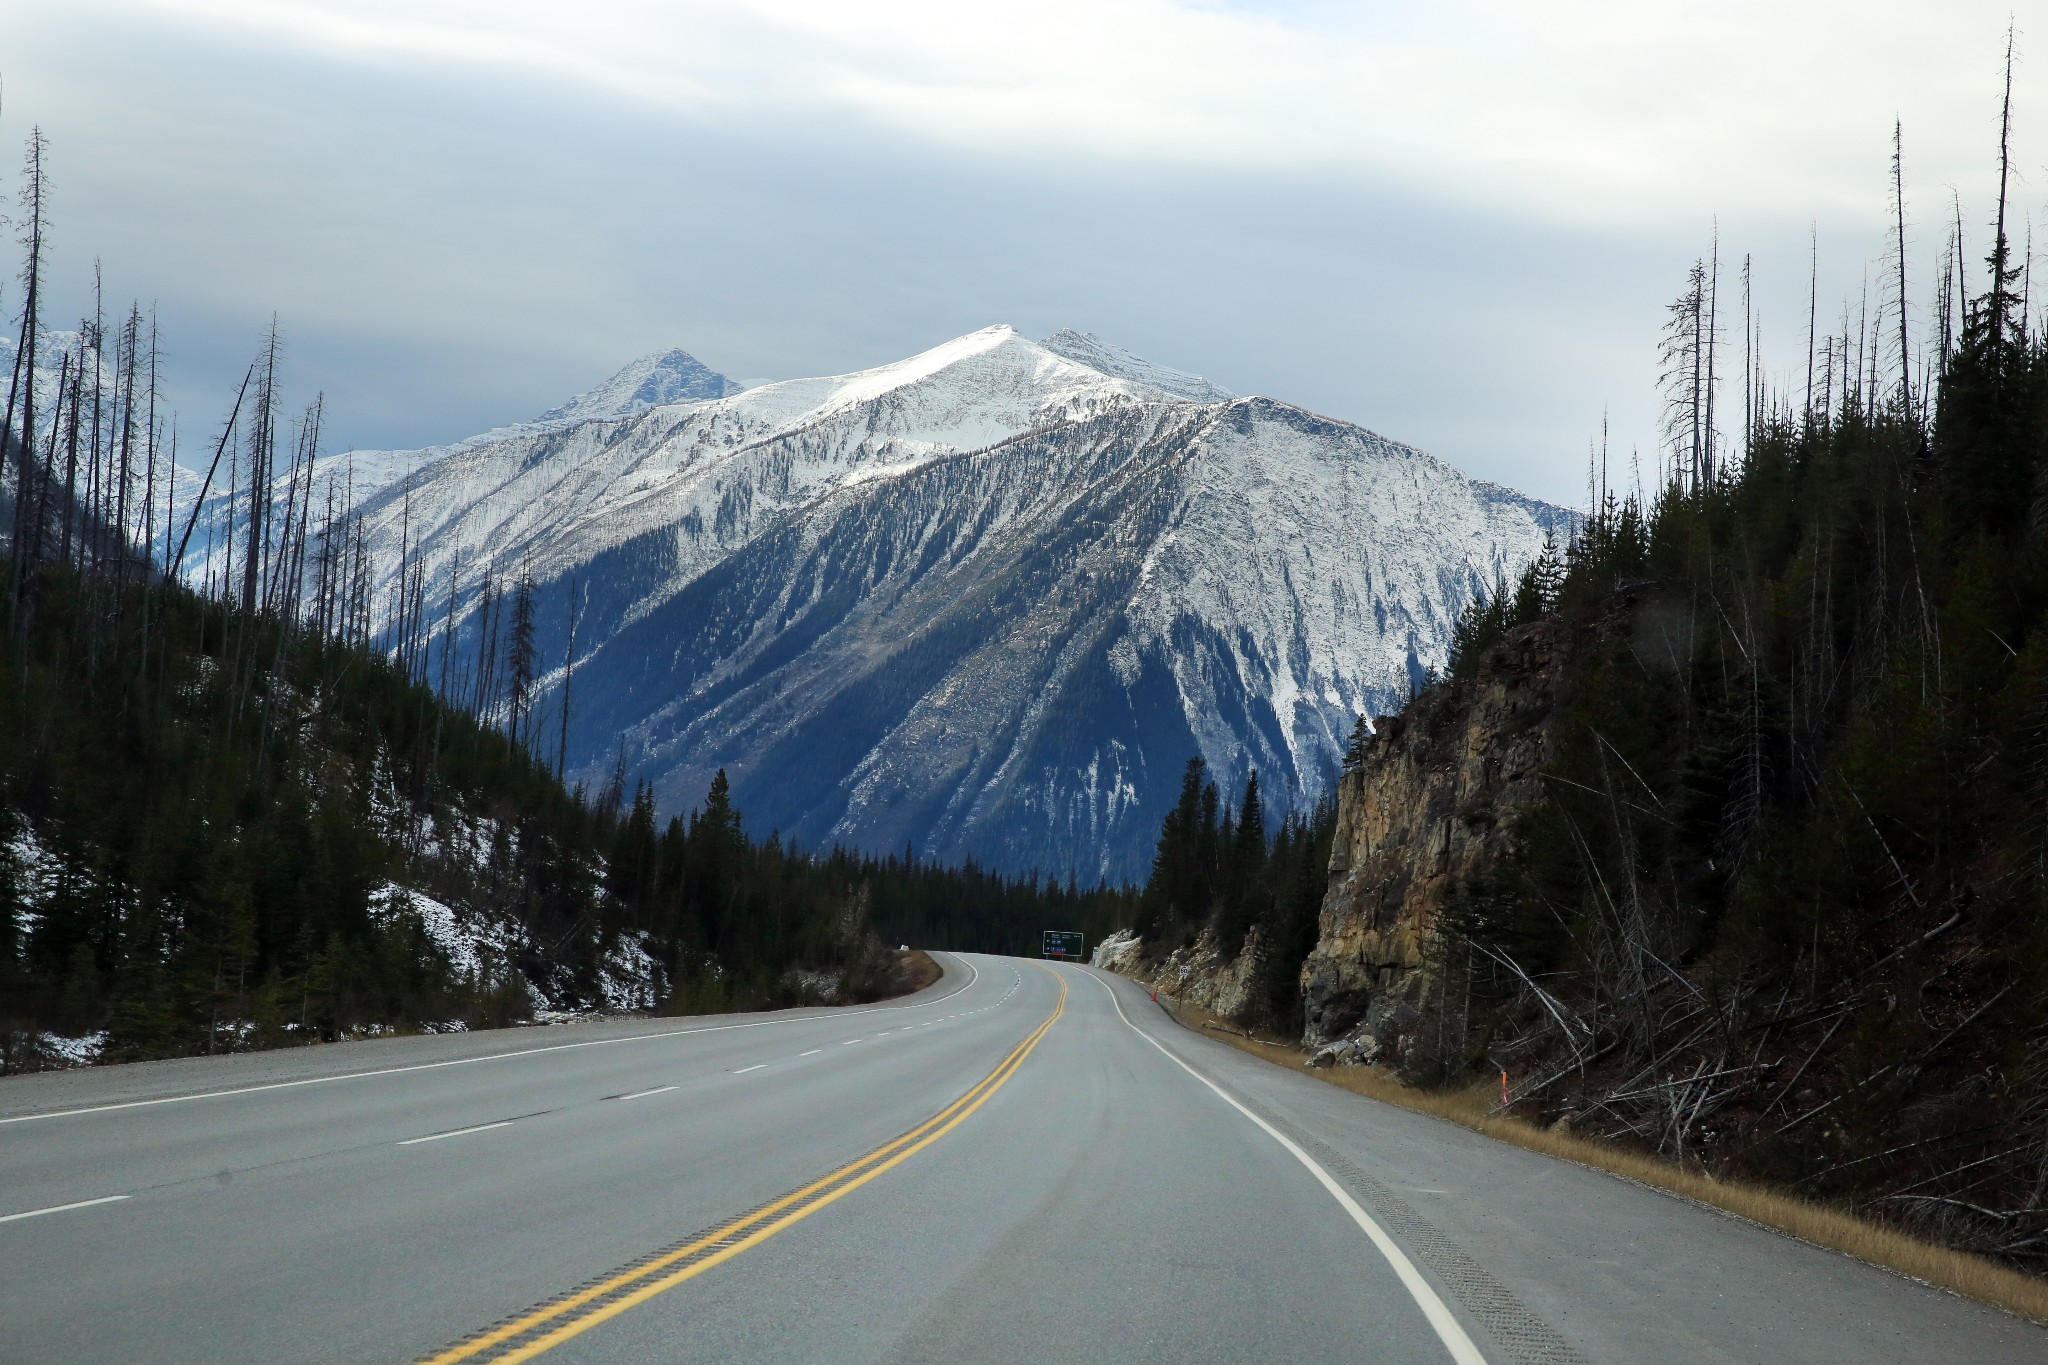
(1899, 214)
(1684, 358)
(33, 193)
(2000, 250)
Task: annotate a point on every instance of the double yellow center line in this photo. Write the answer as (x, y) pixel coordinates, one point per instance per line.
(554, 1321)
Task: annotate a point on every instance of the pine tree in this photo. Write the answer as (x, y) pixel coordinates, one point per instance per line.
(1174, 892)
(1242, 894)
(1360, 742)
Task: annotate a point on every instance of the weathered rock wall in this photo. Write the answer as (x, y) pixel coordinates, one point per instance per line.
(1197, 974)
(1429, 806)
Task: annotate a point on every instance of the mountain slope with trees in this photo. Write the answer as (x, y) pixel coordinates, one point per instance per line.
(1782, 906)
(223, 833)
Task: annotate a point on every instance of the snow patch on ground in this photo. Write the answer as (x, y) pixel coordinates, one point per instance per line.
(483, 949)
(812, 987)
(476, 948)
(36, 870)
(62, 1051)
(629, 977)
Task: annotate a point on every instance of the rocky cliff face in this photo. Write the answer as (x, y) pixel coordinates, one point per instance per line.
(1431, 805)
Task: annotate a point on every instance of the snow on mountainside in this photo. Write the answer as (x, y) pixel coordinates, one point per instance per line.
(663, 378)
(1092, 351)
(672, 376)
(704, 478)
(56, 352)
(987, 600)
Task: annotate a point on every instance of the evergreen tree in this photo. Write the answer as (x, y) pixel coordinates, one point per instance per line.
(1356, 747)
(1242, 895)
(1177, 891)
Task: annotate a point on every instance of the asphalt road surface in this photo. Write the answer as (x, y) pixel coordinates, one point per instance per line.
(1025, 1162)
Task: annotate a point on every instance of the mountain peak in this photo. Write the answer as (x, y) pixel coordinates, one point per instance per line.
(1108, 358)
(671, 376)
(987, 598)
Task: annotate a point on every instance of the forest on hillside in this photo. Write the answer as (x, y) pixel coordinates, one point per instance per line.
(246, 813)
(224, 832)
(1783, 907)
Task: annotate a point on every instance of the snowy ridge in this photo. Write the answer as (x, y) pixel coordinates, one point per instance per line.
(712, 474)
(665, 378)
(653, 381)
(1092, 351)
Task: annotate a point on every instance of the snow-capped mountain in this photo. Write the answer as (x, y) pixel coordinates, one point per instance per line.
(987, 600)
(665, 377)
(672, 376)
(58, 352)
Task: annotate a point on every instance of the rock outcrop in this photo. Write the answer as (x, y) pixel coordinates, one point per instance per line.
(1197, 974)
(1430, 806)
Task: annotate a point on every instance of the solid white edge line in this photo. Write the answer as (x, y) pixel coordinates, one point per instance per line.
(1448, 1329)
(456, 1132)
(62, 1208)
(466, 1061)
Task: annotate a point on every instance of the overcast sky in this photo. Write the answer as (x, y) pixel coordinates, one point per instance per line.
(1455, 223)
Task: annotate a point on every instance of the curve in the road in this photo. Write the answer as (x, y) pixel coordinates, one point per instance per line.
(556, 1320)
(1441, 1319)
(468, 1061)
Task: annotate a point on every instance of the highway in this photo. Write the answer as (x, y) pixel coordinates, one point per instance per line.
(1026, 1161)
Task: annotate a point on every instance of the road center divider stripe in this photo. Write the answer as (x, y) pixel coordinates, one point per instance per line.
(1448, 1329)
(548, 1324)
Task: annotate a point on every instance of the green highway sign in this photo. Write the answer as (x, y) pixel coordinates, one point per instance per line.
(1061, 943)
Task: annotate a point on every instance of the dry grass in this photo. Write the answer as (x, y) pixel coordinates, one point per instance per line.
(915, 970)
(1476, 1108)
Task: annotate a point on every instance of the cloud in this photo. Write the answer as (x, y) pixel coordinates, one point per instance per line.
(1570, 109)
(1455, 223)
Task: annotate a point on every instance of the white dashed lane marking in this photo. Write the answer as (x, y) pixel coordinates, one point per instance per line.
(62, 1208)
(643, 1094)
(459, 1132)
